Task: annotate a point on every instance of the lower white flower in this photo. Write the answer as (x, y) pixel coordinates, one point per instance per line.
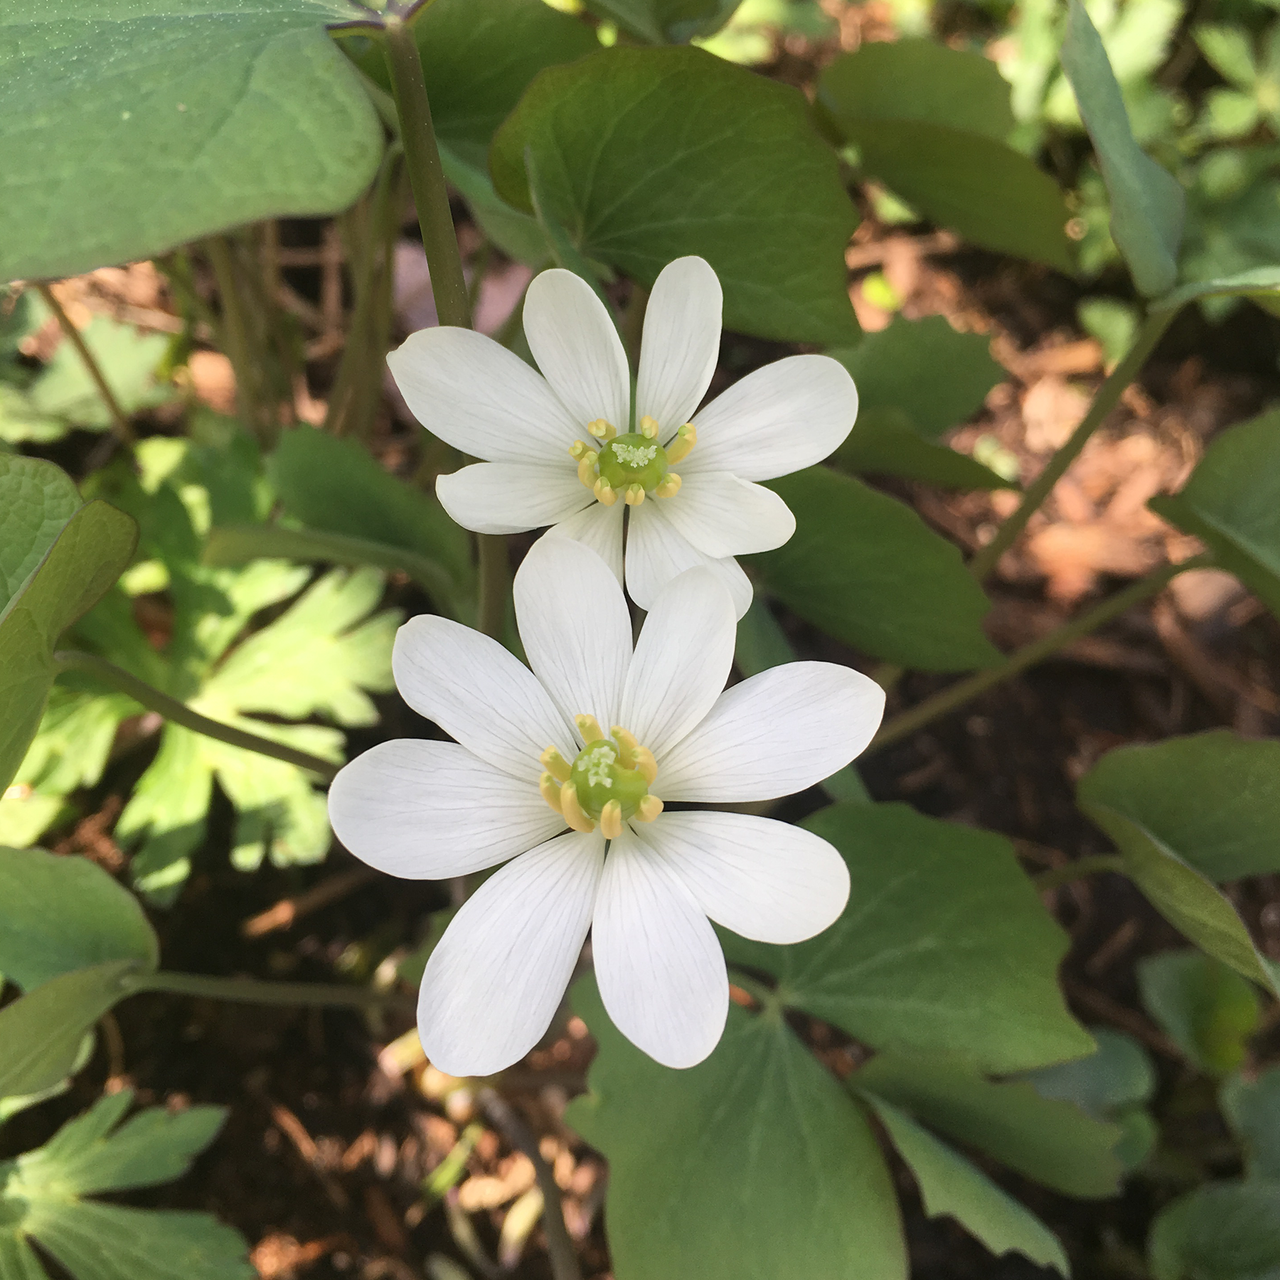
(596, 738)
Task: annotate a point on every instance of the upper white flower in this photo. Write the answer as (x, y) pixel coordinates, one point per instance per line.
(563, 449)
(596, 737)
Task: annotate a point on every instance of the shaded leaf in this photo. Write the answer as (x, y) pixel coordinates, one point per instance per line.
(36, 501)
(1252, 1108)
(1219, 1231)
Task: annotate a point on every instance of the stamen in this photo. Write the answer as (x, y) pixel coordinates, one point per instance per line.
(649, 427)
(633, 756)
(572, 810)
(555, 764)
(680, 448)
(590, 729)
(635, 495)
(611, 820)
(668, 486)
(606, 495)
(550, 790)
(602, 429)
(648, 809)
(578, 448)
(587, 468)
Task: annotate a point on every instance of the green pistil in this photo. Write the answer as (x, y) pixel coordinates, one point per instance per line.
(632, 459)
(598, 777)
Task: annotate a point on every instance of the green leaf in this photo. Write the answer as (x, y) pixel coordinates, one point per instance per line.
(667, 21)
(1206, 1009)
(649, 154)
(949, 1184)
(1147, 203)
(944, 946)
(866, 569)
(753, 1165)
(1051, 1142)
(1219, 1231)
(1183, 813)
(36, 501)
(41, 1200)
(64, 913)
(335, 486)
(40, 1033)
(1252, 1108)
(931, 122)
(1229, 51)
(87, 556)
(1232, 503)
(129, 128)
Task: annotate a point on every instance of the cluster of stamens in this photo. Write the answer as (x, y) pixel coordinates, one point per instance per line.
(631, 465)
(607, 782)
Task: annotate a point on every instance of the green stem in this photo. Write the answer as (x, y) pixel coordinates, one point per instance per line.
(957, 695)
(119, 419)
(179, 713)
(426, 173)
(495, 574)
(251, 991)
(1093, 865)
(1106, 399)
(235, 332)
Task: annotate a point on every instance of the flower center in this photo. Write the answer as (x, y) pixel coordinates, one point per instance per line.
(607, 782)
(633, 464)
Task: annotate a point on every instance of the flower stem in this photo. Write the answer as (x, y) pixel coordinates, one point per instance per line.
(495, 575)
(179, 713)
(1106, 399)
(235, 336)
(958, 694)
(252, 991)
(119, 419)
(1077, 869)
(426, 173)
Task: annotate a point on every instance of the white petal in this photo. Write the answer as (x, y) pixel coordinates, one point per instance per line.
(577, 348)
(479, 693)
(682, 661)
(765, 880)
(657, 553)
(430, 810)
(681, 343)
(495, 979)
(659, 965)
(510, 497)
(481, 398)
(777, 420)
(724, 516)
(600, 528)
(575, 626)
(774, 734)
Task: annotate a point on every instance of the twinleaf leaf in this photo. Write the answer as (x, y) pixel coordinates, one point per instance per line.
(648, 154)
(866, 569)
(41, 1200)
(944, 945)
(753, 1165)
(1219, 1231)
(1252, 1108)
(36, 501)
(130, 128)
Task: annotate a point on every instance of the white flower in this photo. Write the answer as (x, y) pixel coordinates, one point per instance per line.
(562, 449)
(532, 756)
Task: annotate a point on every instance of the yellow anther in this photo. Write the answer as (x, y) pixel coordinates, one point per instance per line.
(578, 448)
(611, 820)
(572, 810)
(633, 756)
(590, 728)
(587, 469)
(550, 789)
(635, 495)
(555, 764)
(602, 429)
(668, 486)
(649, 427)
(649, 809)
(679, 449)
(605, 493)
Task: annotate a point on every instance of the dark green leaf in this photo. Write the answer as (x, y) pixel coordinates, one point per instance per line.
(1232, 503)
(949, 1184)
(1219, 1231)
(1147, 203)
(884, 442)
(667, 21)
(753, 1165)
(867, 570)
(130, 128)
(1208, 1010)
(649, 154)
(1051, 1142)
(1252, 1108)
(64, 913)
(1261, 284)
(944, 946)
